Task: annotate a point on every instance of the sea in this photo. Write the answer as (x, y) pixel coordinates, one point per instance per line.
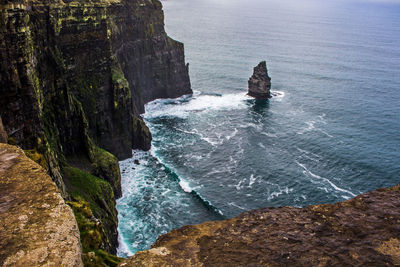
(330, 133)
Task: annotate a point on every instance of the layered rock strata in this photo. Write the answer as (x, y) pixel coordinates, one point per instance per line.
(363, 231)
(75, 76)
(260, 82)
(37, 228)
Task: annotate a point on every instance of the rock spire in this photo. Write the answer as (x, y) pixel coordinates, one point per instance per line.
(260, 82)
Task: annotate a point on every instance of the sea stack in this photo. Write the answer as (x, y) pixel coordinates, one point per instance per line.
(260, 82)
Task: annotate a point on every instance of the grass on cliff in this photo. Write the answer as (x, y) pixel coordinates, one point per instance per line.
(88, 193)
(92, 189)
(106, 166)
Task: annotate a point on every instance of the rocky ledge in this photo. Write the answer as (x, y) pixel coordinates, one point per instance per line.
(260, 82)
(37, 228)
(363, 231)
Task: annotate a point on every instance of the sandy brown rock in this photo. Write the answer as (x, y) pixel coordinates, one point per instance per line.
(363, 231)
(37, 228)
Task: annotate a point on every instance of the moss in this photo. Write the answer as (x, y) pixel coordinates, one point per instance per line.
(118, 76)
(88, 187)
(106, 166)
(98, 193)
(90, 229)
(109, 259)
(37, 157)
(91, 232)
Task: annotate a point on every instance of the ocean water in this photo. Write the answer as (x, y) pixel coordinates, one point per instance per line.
(331, 133)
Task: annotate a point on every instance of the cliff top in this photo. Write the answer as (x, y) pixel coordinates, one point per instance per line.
(363, 231)
(36, 226)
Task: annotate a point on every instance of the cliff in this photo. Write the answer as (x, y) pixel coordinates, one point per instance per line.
(37, 228)
(363, 231)
(74, 78)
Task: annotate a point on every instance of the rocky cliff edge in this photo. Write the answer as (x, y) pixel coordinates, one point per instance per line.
(363, 231)
(37, 228)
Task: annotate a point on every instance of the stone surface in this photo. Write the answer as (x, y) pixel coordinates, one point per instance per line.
(363, 231)
(260, 82)
(3, 133)
(37, 228)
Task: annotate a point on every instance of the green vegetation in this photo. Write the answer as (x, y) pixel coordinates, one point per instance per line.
(91, 198)
(106, 166)
(37, 157)
(83, 185)
(90, 230)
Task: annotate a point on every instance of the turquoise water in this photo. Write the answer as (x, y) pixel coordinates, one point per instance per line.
(332, 131)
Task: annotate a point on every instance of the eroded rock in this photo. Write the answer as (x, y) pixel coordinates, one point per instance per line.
(363, 231)
(37, 228)
(260, 82)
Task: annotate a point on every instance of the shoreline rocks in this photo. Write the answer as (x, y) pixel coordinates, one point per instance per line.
(363, 231)
(260, 82)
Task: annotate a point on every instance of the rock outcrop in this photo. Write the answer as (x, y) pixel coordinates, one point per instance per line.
(260, 82)
(363, 231)
(37, 228)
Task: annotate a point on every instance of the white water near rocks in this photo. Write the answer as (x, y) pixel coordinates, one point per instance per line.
(329, 133)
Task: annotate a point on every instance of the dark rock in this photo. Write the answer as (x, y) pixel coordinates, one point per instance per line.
(260, 82)
(74, 80)
(136, 161)
(3, 133)
(363, 231)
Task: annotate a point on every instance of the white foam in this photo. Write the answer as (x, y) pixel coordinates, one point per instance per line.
(252, 180)
(308, 152)
(277, 95)
(123, 248)
(232, 135)
(235, 205)
(239, 185)
(269, 134)
(276, 194)
(322, 131)
(310, 127)
(197, 103)
(185, 186)
(325, 179)
(322, 118)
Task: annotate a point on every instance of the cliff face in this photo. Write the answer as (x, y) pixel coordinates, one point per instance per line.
(363, 231)
(99, 61)
(36, 226)
(74, 79)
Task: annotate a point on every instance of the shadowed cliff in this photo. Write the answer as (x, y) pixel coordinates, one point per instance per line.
(363, 231)
(75, 76)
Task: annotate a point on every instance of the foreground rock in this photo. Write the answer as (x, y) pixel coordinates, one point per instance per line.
(260, 82)
(363, 231)
(37, 228)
